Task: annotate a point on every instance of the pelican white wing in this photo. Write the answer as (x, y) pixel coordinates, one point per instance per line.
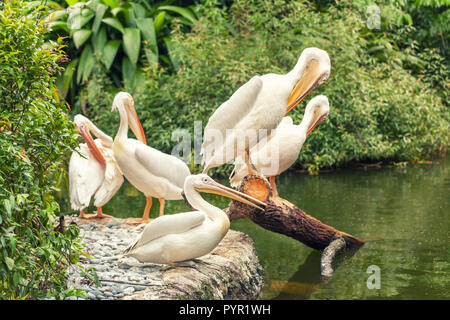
(162, 165)
(85, 176)
(231, 112)
(112, 182)
(164, 225)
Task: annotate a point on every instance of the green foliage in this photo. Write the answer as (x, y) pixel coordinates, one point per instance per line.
(379, 109)
(119, 36)
(35, 139)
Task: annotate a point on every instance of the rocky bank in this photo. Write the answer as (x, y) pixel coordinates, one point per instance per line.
(230, 271)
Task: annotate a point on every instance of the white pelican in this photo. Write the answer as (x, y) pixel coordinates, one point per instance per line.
(188, 235)
(288, 140)
(152, 172)
(260, 104)
(96, 173)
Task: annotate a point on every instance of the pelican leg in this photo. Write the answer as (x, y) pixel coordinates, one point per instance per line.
(273, 186)
(145, 217)
(162, 203)
(250, 167)
(178, 264)
(82, 215)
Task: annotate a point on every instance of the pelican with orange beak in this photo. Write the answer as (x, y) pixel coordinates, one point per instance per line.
(281, 151)
(92, 170)
(257, 107)
(188, 235)
(151, 171)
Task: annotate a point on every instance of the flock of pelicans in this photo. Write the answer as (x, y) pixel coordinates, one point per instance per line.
(98, 166)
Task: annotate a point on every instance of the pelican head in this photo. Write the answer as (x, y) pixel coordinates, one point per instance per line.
(319, 108)
(124, 100)
(204, 183)
(312, 69)
(83, 126)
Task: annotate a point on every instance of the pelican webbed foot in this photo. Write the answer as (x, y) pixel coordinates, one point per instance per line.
(98, 215)
(137, 220)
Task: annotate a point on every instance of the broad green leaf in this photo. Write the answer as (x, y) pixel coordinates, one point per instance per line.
(148, 32)
(115, 23)
(87, 62)
(16, 278)
(184, 12)
(128, 72)
(77, 19)
(122, 14)
(68, 75)
(171, 50)
(80, 37)
(139, 10)
(118, 10)
(99, 13)
(159, 21)
(99, 41)
(9, 263)
(109, 52)
(59, 25)
(111, 3)
(132, 43)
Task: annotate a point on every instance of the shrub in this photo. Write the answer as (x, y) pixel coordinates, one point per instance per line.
(379, 110)
(35, 138)
(117, 36)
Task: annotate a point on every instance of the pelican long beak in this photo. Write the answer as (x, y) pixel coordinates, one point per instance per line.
(91, 144)
(316, 123)
(135, 124)
(308, 81)
(219, 189)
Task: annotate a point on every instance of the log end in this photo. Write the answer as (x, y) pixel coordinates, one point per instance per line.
(255, 186)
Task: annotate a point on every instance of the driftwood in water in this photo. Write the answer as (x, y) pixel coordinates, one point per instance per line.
(283, 217)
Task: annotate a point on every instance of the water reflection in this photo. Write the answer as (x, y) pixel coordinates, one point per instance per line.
(401, 213)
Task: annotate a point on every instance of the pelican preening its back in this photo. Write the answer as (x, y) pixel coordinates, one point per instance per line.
(152, 172)
(96, 173)
(276, 155)
(188, 235)
(259, 104)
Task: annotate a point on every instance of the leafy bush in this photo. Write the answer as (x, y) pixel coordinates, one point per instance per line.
(35, 138)
(379, 110)
(118, 36)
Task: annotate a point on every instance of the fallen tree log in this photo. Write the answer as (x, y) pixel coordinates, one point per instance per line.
(283, 217)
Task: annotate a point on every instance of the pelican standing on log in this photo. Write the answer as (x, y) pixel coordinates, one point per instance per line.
(151, 171)
(285, 145)
(188, 235)
(93, 170)
(260, 104)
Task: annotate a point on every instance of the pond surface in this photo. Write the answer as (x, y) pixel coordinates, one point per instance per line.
(402, 214)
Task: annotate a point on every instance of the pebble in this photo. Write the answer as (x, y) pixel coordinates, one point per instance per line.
(105, 244)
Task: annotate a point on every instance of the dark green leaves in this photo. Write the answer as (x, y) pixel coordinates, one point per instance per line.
(80, 37)
(36, 138)
(115, 23)
(132, 43)
(114, 30)
(109, 52)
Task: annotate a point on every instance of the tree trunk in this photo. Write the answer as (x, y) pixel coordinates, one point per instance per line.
(283, 217)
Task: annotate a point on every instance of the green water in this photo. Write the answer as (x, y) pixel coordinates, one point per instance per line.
(402, 214)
